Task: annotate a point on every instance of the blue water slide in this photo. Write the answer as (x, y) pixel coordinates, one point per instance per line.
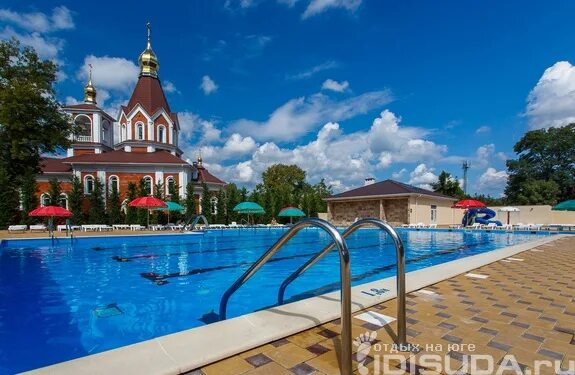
(472, 215)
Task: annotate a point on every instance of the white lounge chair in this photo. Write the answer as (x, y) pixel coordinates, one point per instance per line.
(491, 226)
(38, 228)
(17, 228)
(233, 224)
(121, 226)
(476, 226)
(137, 227)
(432, 226)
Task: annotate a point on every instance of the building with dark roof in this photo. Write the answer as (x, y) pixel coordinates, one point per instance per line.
(393, 201)
(141, 143)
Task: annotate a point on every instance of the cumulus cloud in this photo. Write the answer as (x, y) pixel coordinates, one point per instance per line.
(422, 176)
(46, 47)
(302, 115)
(208, 85)
(110, 73)
(552, 101)
(316, 7)
(169, 87)
(314, 70)
(61, 19)
(483, 129)
(493, 180)
(330, 84)
(399, 174)
(483, 155)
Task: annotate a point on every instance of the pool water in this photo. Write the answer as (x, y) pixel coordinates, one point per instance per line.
(62, 301)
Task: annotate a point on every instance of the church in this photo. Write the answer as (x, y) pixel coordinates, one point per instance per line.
(141, 143)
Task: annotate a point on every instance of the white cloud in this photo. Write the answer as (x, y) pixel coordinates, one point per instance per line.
(399, 174)
(46, 47)
(208, 85)
(232, 5)
(483, 155)
(110, 73)
(319, 6)
(314, 70)
(492, 180)
(61, 19)
(330, 84)
(169, 87)
(289, 3)
(552, 101)
(422, 177)
(301, 115)
(237, 145)
(483, 129)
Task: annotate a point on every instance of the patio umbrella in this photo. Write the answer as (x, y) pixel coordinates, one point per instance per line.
(147, 203)
(466, 204)
(249, 208)
(51, 212)
(291, 212)
(565, 206)
(171, 206)
(509, 210)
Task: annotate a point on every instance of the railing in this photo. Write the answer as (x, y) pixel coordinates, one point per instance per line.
(83, 138)
(195, 220)
(344, 279)
(400, 253)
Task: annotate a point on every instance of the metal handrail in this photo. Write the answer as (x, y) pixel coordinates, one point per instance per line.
(344, 275)
(194, 221)
(400, 252)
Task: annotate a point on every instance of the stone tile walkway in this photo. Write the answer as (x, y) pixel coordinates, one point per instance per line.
(525, 307)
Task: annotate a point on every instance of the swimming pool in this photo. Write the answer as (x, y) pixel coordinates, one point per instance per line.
(66, 301)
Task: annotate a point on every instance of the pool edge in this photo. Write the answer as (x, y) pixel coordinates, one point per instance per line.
(187, 350)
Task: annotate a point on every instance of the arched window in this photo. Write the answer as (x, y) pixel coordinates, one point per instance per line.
(214, 204)
(170, 186)
(45, 199)
(113, 183)
(140, 131)
(123, 134)
(88, 184)
(105, 130)
(84, 125)
(63, 200)
(161, 133)
(149, 185)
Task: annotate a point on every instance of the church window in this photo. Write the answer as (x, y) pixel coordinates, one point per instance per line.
(113, 184)
(170, 185)
(45, 200)
(88, 184)
(140, 131)
(148, 185)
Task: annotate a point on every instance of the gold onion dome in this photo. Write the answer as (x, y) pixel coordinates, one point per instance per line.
(90, 90)
(149, 64)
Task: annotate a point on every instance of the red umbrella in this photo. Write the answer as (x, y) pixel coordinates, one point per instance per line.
(51, 211)
(469, 203)
(148, 203)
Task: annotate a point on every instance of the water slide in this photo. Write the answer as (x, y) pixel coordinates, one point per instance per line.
(472, 215)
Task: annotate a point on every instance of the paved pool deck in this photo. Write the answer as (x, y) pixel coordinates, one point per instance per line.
(523, 306)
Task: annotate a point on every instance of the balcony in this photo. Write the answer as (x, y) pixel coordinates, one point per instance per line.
(83, 138)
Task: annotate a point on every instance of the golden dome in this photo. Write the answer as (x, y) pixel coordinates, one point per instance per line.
(90, 90)
(149, 64)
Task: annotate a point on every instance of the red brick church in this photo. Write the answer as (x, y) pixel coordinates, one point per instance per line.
(142, 143)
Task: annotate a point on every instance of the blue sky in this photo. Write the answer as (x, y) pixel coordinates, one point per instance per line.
(346, 89)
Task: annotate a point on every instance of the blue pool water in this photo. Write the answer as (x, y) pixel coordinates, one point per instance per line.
(66, 301)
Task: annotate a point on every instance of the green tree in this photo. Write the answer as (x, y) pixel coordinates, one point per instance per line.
(143, 191)
(97, 213)
(174, 191)
(131, 213)
(190, 201)
(447, 185)
(76, 201)
(232, 199)
(206, 203)
(537, 192)
(8, 200)
(54, 191)
(28, 191)
(31, 117)
(113, 207)
(159, 216)
(221, 207)
(544, 155)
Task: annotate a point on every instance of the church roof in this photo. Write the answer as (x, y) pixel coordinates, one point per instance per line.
(206, 176)
(150, 95)
(54, 165)
(123, 157)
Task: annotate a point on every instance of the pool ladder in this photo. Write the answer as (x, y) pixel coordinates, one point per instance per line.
(345, 281)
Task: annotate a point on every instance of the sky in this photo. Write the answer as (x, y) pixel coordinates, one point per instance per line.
(346, 89)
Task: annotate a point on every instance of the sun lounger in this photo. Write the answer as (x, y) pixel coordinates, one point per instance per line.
(491, 226)
(432, 226)
(137, 227)
(121, 226)
(17, 228)
(38, 228)
(476, 226)
(157, 227)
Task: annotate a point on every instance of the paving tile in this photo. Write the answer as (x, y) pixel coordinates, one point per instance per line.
(302, 369)
(289, 355)
(270, 368)
(317, 349)
(258, 360)
(230, 366)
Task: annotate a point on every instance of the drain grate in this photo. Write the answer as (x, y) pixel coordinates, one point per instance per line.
(108, 311)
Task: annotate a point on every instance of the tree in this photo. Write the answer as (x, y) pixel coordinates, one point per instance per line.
(447, 185)
(54, 191)
(537, 192)
(232, 199)
(143, 191)
(221, 207)
(190, 202)
(8, 200)
(131, 214)
(76, 200)
(286, 182)
(97, 213)
(206, 203)
(31, 117)
(28, 191)
(174, 191)
(113, 207)
(544, 155)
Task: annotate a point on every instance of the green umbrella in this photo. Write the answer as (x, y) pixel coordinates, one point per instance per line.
(171, 206)
(291, 212)
(249, 208)
(565, 206)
